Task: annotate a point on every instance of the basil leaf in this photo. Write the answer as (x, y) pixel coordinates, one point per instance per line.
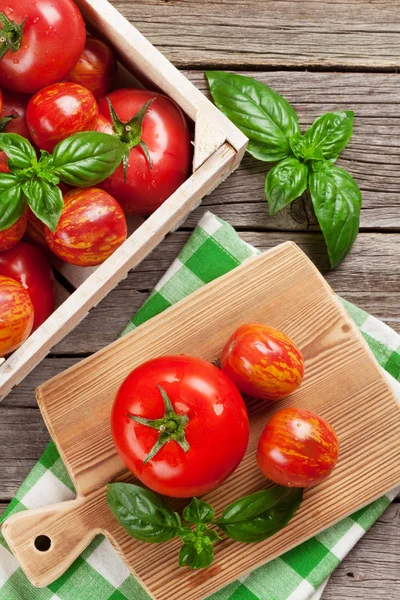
(197, 555)
(256, 517)
(45, 200)
(19, 151)
(250, 506)
(259, 112)
(285, 182)
(337, 202)
(142, 513)
(303, 151)
(198, 512)
(86, 158)
(12, 200)
(330, 133)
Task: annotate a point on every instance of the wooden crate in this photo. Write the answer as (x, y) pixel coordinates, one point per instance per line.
(218, 150)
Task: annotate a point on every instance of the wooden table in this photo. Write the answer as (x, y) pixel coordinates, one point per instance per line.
(322, 56)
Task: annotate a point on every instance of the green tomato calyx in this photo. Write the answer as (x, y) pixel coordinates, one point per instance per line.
(130, 132)
(171, 427)
(10, 34)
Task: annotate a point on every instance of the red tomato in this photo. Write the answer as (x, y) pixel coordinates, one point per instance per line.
(27, 265)
(202, 412)
(34, 233)
(51, 42)
(297, 448)
(95, 67)
(11, 236)
(16, 312)
(91, 227)
(58, 111)
(1, 101)
(103, 125)
(263, 362)
(14, 104)
(166, 134)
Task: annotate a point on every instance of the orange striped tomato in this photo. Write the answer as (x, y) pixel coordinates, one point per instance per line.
(16, 315)
(11, 236)
(91, 227)
(297, 448)
(58, 111)
(263, 362)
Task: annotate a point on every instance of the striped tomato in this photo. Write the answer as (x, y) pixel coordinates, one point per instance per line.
(16, 312)
(58, 111)
(263, 362)
(91, 227)
(95, 67)
(11, 236)
(297, 448)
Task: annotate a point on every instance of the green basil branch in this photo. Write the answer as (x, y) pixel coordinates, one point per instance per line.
(82, 160)
(305, 161)
(146, 517)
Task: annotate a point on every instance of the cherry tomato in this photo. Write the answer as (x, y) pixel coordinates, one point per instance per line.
(11, 236)
(263, 362)
(95, 67)
(14, 104)
(202, 424)
(27, 265)
(50, 43)
(16, 312)
(297, 448)
(165, 133)
(91, 227)
(58, 111)
(34, 233)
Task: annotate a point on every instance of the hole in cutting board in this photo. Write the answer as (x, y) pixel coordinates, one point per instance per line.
(42, 543)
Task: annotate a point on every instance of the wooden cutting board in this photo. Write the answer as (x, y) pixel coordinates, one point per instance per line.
(343, 383)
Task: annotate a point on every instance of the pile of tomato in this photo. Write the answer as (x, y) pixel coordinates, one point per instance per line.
(55, 82)
(180, 423)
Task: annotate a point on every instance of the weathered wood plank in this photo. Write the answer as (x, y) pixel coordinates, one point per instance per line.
(371, 571)
(261, 33)
(23, 436)
(360, 279)
(372, 156)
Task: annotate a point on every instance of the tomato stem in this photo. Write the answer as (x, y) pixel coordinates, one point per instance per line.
(11, 35)
(130, 132)
(171, 426)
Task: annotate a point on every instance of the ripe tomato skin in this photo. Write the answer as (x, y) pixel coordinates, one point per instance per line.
(166, 134)
(217, 432)
(27, 265)
(34, 233)
(95, 67)
(16, 312)
(11, 236)
(15, 104)
(91, 227)
(297, 448)
(58, 111)
(263, 362)
(53, 38)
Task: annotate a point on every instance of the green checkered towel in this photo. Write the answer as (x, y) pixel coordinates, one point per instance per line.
(213, 249)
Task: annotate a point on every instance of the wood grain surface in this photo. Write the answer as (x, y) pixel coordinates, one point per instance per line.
(348, 39)
(359, 34)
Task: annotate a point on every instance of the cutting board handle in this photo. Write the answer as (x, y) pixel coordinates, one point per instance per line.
(47, 540)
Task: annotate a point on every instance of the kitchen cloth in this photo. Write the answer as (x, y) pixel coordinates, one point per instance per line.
(213, 249)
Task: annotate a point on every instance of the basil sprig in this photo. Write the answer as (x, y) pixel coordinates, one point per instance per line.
(82, 160)
(306, 161)
(146, 517)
